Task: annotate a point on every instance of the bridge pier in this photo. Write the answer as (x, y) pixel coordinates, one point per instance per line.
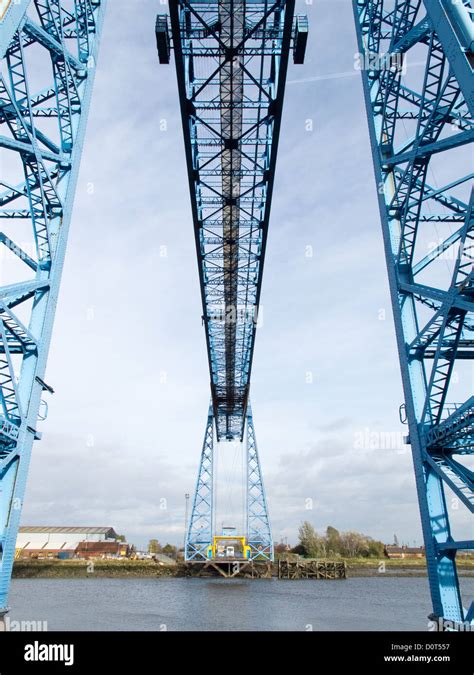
(230, 569)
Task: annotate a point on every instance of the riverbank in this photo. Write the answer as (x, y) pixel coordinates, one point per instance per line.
(412, 567)
(77, 569)
(80, 569)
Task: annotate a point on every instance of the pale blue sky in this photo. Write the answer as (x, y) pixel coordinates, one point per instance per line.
(128, 359)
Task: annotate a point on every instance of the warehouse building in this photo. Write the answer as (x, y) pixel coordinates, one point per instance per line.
(66, 542)
(102, 549)
(404, 552)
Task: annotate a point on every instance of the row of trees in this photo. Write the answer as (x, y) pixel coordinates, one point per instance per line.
(335, 544)
(154, 546)
(332, 544)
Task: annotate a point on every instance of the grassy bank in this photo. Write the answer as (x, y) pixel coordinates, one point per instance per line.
(360, 567)
(77, 569)
(62, 569)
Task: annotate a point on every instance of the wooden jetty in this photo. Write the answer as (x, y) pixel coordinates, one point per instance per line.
(311, 569)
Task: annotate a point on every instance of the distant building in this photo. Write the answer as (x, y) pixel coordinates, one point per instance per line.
(102, 549)
(63, 542)
(404, 552)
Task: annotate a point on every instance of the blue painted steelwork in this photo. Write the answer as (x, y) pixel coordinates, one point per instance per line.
(49, 52)
(421, 130)
(201, 527)
(259, 533)
(231, 61)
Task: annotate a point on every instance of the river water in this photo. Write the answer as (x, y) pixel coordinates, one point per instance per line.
(363, 603)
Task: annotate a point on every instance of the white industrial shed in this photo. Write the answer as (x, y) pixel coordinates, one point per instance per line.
(37, 538)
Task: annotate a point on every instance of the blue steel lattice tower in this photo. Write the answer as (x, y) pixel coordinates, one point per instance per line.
(231, 61)
(416, 62)
(49, 52)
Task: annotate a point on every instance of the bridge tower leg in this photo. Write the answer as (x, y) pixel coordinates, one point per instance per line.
(41, 137)
(259, 534)
(200, 529)
(416, 60)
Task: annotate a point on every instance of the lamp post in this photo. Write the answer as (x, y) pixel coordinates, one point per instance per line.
(186, 497)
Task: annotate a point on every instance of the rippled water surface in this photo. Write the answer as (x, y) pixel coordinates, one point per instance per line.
(369, 603)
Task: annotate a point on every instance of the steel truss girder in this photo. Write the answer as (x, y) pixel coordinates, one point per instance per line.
(433, 311)
(231, 60)
(201, 527)
(64, 45)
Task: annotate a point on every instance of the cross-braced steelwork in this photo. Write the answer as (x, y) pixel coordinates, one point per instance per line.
(259, 534)
(201, 527)
(416, 62)
(200, 530)
(49, 52)
(231, 62)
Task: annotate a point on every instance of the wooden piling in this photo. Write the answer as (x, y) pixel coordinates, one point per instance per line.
(311, 569)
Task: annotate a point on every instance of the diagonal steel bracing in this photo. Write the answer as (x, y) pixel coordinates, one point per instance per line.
(231, 61)
(428, 231)
(201, 527)
(54, 42)
(259, 533)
